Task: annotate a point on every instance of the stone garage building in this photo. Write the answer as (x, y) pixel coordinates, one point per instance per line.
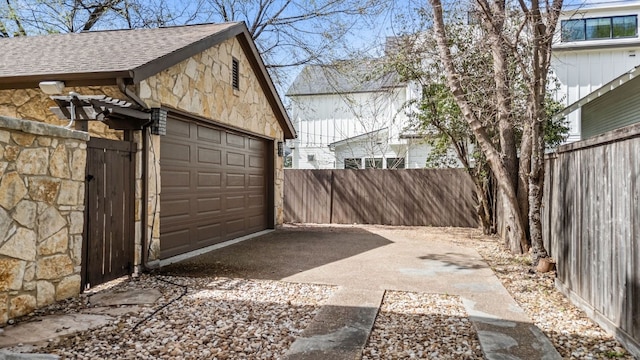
(194, 110)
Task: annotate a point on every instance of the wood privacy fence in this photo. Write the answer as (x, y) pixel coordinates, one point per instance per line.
(432, 197)
(592, 228)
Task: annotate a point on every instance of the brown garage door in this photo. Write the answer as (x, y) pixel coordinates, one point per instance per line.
(214, 186)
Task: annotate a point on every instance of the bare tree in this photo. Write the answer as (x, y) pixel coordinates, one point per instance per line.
(288, 33)
(520, 37)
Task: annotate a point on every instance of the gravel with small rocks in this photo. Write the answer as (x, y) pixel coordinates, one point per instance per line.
(227, 318)
(218, 318)
(422, 326)
(573, 334)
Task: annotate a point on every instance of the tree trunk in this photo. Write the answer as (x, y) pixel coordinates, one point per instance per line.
(536, 180)
(502, 174)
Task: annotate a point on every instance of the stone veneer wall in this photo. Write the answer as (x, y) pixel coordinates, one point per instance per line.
(42, 169)
(202, 85)
(33, 104)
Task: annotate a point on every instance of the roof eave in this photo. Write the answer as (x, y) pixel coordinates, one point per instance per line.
(166, 61)
(70, 79)
(610, 86)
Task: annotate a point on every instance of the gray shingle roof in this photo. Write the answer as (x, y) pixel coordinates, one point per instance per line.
(96, 52)
(103, 57)
(344, 77)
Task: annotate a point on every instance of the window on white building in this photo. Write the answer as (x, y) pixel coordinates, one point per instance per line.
(352, 163)
(613, 27)
(373, 163)
(395, 163)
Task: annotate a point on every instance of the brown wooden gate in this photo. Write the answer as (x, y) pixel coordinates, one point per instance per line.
(109, 224)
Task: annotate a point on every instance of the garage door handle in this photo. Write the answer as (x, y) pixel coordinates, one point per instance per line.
(88, 178)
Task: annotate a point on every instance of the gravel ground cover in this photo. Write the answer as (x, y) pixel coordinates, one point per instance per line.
(422, 326)
(219, 318)
(228, 318)
(573, 334)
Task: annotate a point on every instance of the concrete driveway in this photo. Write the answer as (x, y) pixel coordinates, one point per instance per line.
(364, 261)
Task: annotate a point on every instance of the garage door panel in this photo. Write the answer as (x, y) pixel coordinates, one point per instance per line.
(176, 180)
(256, 145)
(235, 203)
(235, 180)
(235, 140)
(256, 162)
(256, 180)
(209, 205)
(213, 186)
(209, 180)
(175, 151)
(256, 221)
(179, 129)
(209, 234)
(235, 159)
(173, 242)
(235, 227)
(209, 156)
(209, 135)
(256, 201)
(173, 208)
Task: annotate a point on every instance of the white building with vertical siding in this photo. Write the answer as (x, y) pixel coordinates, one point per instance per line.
(594, 45)
(351, 114)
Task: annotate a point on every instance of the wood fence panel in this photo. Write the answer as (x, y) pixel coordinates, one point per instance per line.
(308, 197)
(592, 228)
(412, 197)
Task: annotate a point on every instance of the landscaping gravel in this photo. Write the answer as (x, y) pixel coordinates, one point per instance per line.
(422, 326)
(220, 318)
(573, 334)
(231, 318)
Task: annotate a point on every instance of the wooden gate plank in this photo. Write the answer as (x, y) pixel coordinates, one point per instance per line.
(109, 234)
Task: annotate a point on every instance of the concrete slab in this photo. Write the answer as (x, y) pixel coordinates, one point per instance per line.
(375, 258)
(340, 329)
(5, 355)
(50, 327)
(113, 311)
(117, 298)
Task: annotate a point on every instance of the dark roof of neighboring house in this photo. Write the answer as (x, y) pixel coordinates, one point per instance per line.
(103, 57)
(344, 77)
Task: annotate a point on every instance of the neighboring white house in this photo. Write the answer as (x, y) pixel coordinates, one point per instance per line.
(594, 45)
(350, 114)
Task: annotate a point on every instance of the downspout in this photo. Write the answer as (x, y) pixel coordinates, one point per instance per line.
(145, 171)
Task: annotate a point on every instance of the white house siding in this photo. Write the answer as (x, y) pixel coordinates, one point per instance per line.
(583, 71)
(323, 119)
(581, 67)
(414, 153)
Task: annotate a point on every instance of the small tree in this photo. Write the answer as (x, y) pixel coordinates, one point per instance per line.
(519, 39)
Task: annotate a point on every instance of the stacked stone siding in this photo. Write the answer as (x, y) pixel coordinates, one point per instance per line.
(42, 169)
(33, 104)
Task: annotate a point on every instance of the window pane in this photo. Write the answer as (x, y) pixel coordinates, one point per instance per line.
(598, 28)
(373, 163)
(572, 30)
(395, 163)
(625, 26)
(352, 163)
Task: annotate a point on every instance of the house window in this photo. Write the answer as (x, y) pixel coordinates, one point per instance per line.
(235, 74)
(395, 163)
(352, 163)
(614, 27)
(373, 163)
